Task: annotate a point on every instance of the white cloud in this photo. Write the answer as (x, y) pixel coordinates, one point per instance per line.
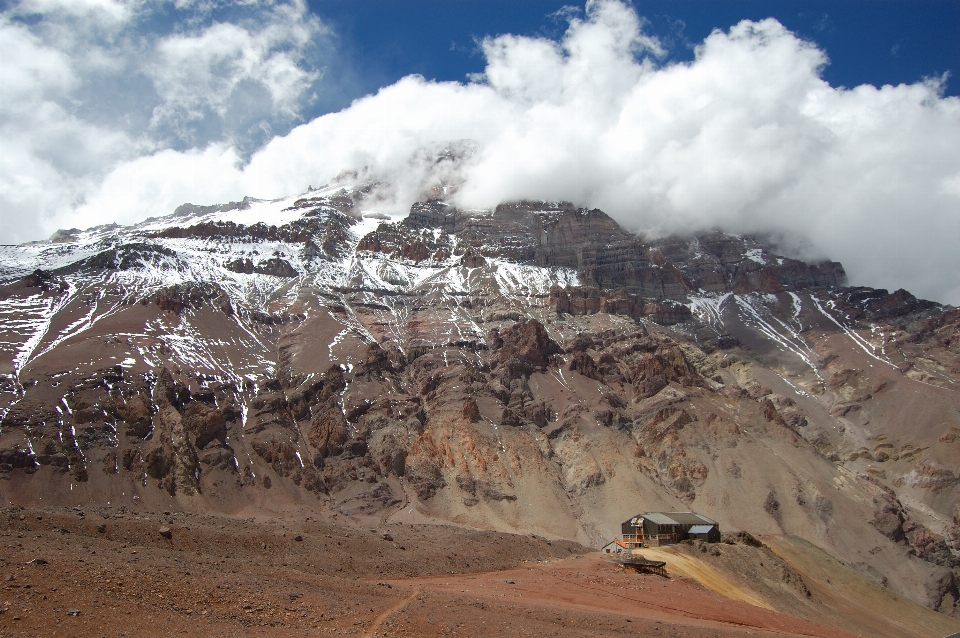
(198, 73)
(47, 149)
(747, 137)
(31, 70)
(166, 176)
(117, 11)
(92, 87)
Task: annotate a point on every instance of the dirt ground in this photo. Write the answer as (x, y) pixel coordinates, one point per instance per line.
(585, 596)
(793, 577)
(115, 572)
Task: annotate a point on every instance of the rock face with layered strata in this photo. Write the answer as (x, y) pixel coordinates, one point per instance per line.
(532, 368)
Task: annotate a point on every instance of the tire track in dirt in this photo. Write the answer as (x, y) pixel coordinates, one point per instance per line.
(379, 620)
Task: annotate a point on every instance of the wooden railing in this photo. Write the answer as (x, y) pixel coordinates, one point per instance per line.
(650, 539)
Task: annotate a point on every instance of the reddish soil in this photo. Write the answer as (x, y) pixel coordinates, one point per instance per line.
(110, 572)
(583, 595)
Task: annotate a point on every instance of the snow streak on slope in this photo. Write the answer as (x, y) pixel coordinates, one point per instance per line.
(108, 269)
(524, 279)
(38, 326)
(708, 308)
(17, 261)
(862, 343)
(756, 311)
(755, 308)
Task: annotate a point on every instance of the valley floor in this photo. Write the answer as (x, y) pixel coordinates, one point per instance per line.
(116, 572)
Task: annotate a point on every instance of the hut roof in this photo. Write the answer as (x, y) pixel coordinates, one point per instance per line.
(673, 518)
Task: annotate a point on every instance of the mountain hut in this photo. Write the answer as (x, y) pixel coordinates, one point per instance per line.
(654, 529)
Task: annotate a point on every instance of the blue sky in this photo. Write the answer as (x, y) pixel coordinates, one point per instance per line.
(868, 42)
(833, 125)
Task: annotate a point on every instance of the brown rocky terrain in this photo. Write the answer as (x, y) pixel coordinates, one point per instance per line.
(124, 571)
(533, 369)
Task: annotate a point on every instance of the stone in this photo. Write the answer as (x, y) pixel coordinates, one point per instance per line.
(471, 411)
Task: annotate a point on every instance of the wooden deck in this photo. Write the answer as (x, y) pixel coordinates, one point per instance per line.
(640, 564)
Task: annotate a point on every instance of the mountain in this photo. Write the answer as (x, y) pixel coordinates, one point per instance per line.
(535, 368)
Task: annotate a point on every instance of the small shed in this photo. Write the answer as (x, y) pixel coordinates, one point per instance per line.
(616, 546)
(706, 533)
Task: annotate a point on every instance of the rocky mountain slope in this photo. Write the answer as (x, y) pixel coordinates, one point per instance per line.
(534, 368)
